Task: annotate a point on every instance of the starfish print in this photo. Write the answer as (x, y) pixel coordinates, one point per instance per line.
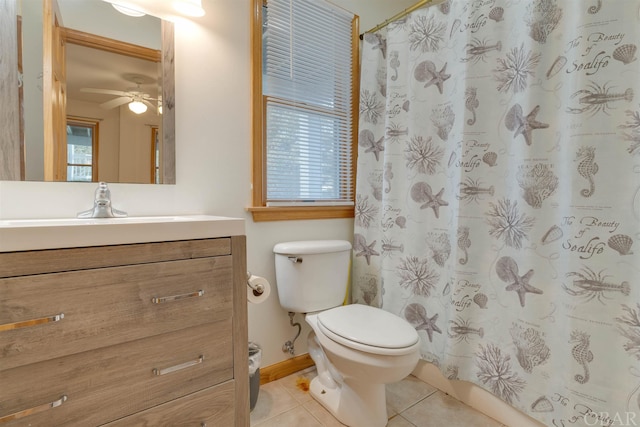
(507, 270)
(376, 148)
(522, 125)
(435, 202)
(430, 326)
(362, 249)
(416, 314)
(438, 78)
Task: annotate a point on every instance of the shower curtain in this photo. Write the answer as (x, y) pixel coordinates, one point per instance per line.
(498, 198)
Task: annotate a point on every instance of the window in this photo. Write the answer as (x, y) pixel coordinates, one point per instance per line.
(155, 155)
(82, 149)
(304, 110)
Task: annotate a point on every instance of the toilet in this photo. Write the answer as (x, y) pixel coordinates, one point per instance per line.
(357, 349)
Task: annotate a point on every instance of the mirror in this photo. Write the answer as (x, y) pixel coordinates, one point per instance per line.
(72, 117)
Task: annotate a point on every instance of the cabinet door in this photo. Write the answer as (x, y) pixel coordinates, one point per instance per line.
(54, 315)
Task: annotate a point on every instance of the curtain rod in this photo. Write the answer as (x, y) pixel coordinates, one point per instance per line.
(398, 16)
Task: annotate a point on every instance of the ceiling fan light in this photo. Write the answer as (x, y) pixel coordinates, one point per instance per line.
(127, 10)
(137, 107)
(189, 7)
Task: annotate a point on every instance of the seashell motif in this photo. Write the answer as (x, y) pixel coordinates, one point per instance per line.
(401, 221)
(553, 234)
(557, 66)
(625, 53)
(445, 7)
(537, 183)
(542, 404)
(369, 290)
(443, 120)
(490, 158)
(496, 14)
(441, 247)
(621, 243)
(481, 299)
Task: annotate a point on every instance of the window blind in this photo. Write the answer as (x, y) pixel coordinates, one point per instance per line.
(307, 86)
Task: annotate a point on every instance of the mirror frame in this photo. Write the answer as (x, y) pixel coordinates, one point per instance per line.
(12, 120)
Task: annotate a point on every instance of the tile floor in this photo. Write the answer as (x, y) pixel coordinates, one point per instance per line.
(410, 403)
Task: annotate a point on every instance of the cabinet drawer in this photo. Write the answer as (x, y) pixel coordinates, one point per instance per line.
(107, 306)
(211, 407)
(24, 263)
(113, 382)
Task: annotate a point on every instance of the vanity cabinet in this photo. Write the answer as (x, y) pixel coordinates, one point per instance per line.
(125, 335)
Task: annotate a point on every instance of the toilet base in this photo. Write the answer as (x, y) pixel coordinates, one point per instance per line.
(352, 403)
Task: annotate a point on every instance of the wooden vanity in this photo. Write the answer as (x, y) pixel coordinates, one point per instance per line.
(152, 333)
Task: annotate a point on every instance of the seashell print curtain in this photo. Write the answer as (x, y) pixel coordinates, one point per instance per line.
(498, 198)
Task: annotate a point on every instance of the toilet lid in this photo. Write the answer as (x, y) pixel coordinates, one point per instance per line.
(367, 325)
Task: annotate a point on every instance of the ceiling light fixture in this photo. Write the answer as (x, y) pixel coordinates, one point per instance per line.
(128, 10)
(189, 7)
(137, 107)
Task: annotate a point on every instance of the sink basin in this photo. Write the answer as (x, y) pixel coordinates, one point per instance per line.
(33, 234)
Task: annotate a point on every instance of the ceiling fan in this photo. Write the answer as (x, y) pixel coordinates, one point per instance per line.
(137, 99)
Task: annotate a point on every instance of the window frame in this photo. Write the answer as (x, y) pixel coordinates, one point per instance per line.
(94, 124)
(259, 208)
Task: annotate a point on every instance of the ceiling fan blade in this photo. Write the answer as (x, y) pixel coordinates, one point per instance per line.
(145, 100)
(116, 102)
(103, 91)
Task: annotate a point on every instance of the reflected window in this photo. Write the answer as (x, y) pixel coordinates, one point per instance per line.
(82, 150)
(155, 155)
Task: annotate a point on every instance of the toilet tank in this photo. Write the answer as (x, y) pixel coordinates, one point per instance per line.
(312, 275)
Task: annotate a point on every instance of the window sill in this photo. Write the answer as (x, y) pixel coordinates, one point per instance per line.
(288, 213)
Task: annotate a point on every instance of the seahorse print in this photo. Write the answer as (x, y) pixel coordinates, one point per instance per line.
(394, 63)
(581, 353)
(587, 168)
(471, 103)
(463, 243)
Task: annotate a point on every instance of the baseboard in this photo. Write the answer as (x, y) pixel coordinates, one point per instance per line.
(285, 368)
(474, 396)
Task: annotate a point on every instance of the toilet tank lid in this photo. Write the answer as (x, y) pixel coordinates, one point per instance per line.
(305, 247)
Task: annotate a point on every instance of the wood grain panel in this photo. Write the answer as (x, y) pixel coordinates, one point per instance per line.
(9, 94)
(56, 260)
(109, 306)
(110, 383)
(212, 406)
(240, 331)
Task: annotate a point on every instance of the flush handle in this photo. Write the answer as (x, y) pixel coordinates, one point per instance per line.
(295, 259)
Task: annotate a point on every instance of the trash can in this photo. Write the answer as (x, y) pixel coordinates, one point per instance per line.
(255, 356)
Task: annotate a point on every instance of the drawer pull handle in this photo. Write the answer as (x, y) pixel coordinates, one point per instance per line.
(32, 322)
(161, 300)
(34, 410)
(175, 368)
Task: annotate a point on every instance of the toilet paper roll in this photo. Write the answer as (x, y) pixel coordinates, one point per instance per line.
(258, 283)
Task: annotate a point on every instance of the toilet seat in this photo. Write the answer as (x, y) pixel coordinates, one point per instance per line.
(368, 329)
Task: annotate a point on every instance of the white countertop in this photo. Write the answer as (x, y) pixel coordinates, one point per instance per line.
(32, 234)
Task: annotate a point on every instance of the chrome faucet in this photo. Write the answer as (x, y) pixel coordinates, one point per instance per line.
(102, 205)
